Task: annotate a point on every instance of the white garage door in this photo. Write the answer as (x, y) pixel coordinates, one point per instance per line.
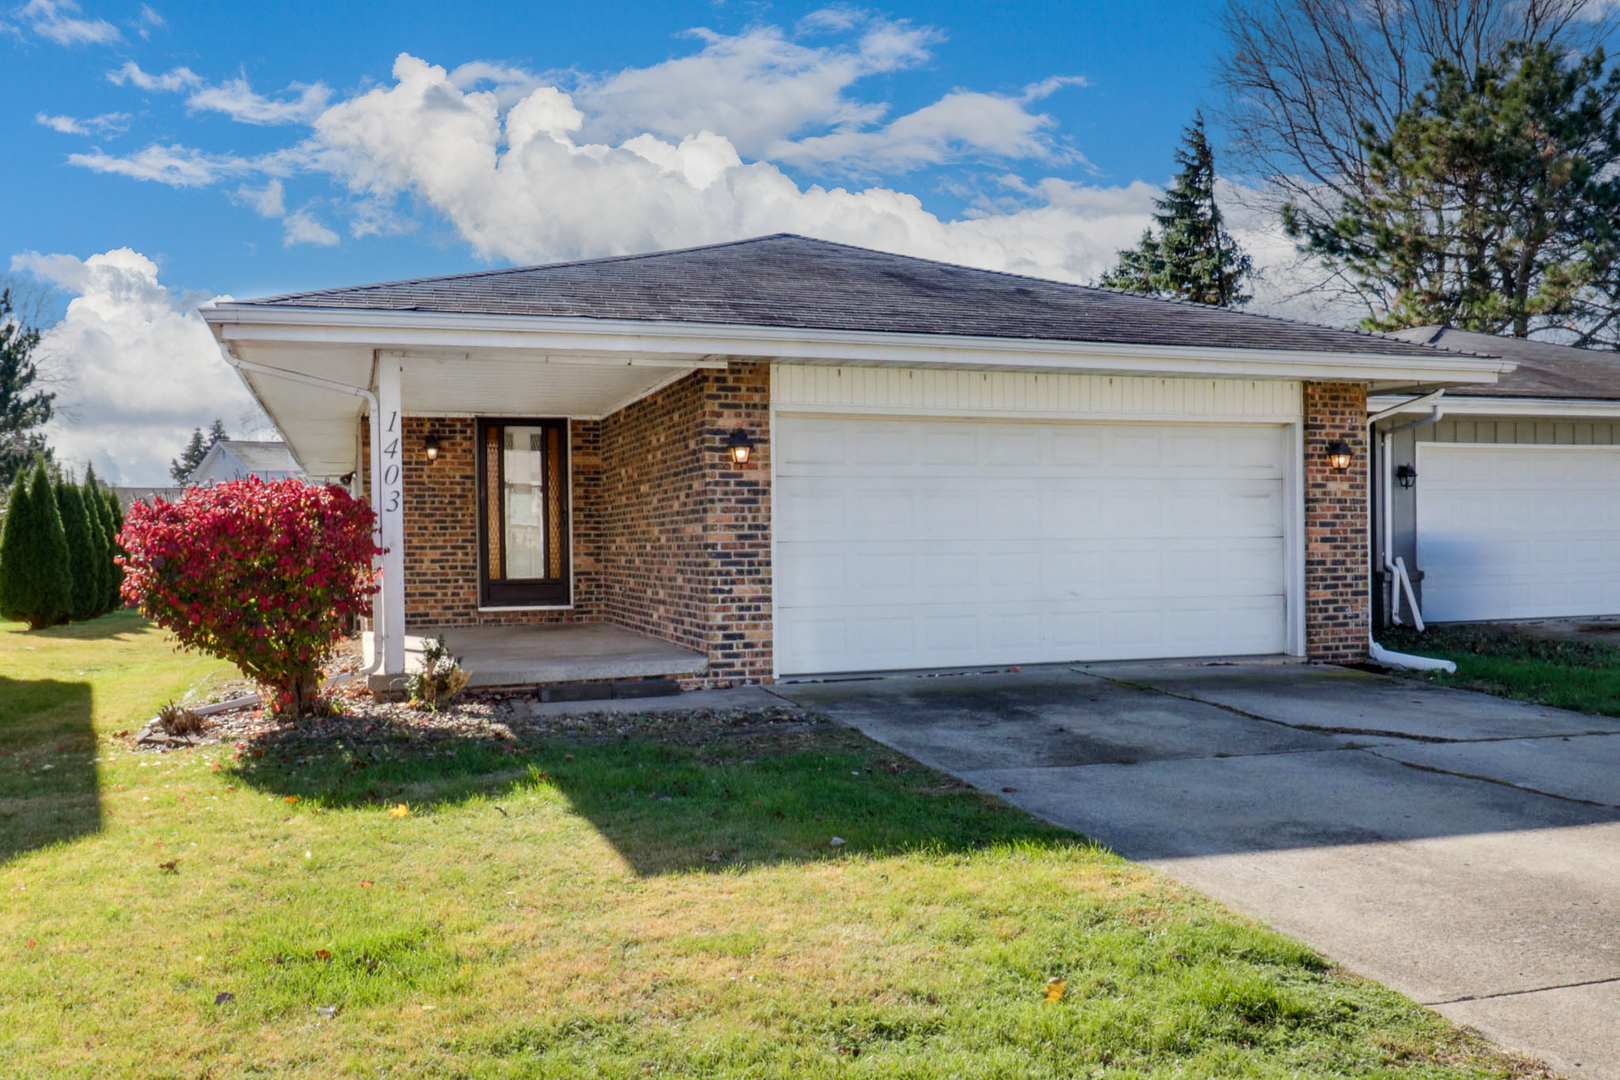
(916, 543)
(1517, 531)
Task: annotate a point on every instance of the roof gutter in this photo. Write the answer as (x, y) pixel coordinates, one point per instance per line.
(406, 329)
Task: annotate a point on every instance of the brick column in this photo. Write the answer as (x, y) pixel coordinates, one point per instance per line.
(1336, 555)
(737, 524)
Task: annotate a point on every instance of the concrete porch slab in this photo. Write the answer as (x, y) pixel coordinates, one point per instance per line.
(555, 653)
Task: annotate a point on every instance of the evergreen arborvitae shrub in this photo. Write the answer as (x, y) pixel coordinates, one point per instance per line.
(115, 514)
(36, 580)
(95, 504)
(82, 565)
(12, 591)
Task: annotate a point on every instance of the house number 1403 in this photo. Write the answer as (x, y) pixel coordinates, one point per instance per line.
(391, 470)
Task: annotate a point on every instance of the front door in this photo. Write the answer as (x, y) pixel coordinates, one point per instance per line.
(523, 512)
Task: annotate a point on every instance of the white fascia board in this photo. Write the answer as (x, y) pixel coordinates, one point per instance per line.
(1550, 408)
(692, 341)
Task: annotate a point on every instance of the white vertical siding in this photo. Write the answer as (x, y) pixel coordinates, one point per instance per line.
(952, 392)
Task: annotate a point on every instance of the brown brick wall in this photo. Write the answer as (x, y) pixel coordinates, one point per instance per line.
(738, 524)
(652, 528)
(441, 528)
(686, 541)
(1336, 616)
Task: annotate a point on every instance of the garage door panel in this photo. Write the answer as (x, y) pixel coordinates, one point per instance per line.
(1518, 531)
(991, 542)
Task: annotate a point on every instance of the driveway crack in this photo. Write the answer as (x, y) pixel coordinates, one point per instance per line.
(1315, 729)
(1493, 780)
(1521, 993)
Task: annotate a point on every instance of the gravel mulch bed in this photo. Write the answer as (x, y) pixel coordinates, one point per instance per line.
(506, 717)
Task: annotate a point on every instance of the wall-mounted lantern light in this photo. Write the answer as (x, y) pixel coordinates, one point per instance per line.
(431, 446)
(1407, 475)
(740, 445)
(1338, 455)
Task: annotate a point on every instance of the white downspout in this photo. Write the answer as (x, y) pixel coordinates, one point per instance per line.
(377, 652)
(1397, 566)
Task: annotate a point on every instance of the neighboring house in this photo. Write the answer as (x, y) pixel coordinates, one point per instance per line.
(238, 459)
(946, 467)
(1510, 503)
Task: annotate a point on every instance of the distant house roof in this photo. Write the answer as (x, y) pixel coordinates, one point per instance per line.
(1545, 370)
(233, 459)
(797, 282)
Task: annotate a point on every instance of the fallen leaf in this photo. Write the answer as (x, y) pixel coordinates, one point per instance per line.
(170, 867)
(400, 811)
(503, 811)
(365, 884)
(1054, 988)
(289, 800)
(230, 787)
(224, 996)
(839, 841)
(322, 954)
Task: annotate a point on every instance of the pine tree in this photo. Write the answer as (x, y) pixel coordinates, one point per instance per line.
(196, 449)
(1193, 257)
(82, 566)
(100, 552)
(22, 413)
(1493, 204)
(95, 500)
(115, 514)
(36, 582)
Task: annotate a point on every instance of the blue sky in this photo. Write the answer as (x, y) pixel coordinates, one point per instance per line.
(161, 154)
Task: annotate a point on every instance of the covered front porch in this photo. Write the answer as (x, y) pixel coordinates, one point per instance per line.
(559, 501)
(548, 654)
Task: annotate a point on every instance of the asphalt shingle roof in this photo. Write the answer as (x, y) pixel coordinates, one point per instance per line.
(1545, 370)
(262, 456)
(794, 281)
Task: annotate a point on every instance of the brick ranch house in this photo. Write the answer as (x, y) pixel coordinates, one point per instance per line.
(945, 467)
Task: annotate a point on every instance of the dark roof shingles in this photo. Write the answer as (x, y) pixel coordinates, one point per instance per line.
(797, 282)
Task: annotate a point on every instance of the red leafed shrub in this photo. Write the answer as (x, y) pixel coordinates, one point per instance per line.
(263, 575)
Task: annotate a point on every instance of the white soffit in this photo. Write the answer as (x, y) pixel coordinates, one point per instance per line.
(319, 424)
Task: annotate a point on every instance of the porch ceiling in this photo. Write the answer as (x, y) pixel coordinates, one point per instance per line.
(320, 425)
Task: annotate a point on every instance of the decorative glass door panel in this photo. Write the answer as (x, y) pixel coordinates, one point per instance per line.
(523, 512)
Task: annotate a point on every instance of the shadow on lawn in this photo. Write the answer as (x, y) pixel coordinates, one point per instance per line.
(114, 625)
(48, 786)
(671, 799)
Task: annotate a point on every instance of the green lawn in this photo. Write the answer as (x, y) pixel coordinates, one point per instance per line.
(658, 905)
(1580, 675)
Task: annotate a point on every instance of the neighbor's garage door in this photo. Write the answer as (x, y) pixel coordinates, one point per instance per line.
(916, 543)
(1518, 531)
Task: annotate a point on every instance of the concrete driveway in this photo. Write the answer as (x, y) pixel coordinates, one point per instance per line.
(1462, 849)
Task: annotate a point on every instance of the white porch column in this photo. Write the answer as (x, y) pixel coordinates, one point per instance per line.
(391, 510)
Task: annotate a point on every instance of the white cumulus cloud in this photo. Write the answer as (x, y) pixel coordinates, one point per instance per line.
(237, 100)
(105, 124)
(518, 186)
(137, 367)
(60, 21)
(169, 82)
(303, 227)
(177, 166)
